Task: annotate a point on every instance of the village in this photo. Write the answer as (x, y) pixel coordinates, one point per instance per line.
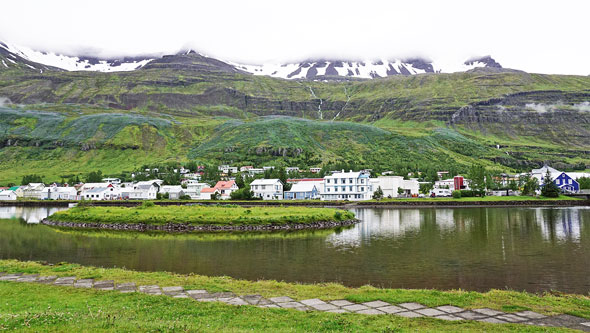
(250, 183)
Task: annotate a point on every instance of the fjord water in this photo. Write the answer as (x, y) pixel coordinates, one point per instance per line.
(531, 249)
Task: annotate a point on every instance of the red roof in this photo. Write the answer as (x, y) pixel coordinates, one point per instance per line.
(208, 190)
(224, 184)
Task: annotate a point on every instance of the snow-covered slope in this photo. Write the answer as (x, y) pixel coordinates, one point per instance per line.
(330, 69)
(70, 63)
(338, 69)
(27, 58)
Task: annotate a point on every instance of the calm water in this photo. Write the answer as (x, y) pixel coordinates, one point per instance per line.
(471, 248)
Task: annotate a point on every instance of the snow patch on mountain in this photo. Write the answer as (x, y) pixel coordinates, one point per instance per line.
(72, 63)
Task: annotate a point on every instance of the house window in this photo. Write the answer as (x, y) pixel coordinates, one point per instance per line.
(350, 180)
(343, 180)
(335, 189)
(362, 188)
(328, 180)
(362, 181)
(335, 180)
(350, 188)
(262, 187)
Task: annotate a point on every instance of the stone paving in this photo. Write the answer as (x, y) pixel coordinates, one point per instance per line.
(407, 310)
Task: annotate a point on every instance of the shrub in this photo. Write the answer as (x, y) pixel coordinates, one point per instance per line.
(466, 193)
(147, 204)
(457, 194)
(338, 216)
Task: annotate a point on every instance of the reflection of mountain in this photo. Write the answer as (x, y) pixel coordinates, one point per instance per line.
(29, 215)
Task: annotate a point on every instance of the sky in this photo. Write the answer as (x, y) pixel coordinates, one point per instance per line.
(536, 36)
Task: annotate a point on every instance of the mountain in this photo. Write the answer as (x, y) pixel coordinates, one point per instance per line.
(39, 60)
(189, 107)
(342, 69)
(189, 59)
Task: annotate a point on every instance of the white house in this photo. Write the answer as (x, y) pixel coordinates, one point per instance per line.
(144, 190)
(114, 181)
(59, 193)
(304, 190)
(347, 186)
(291, 169)
(315, 170)
(193, 188)
(225, 188)
(109, 192)
(174, 191)
(446, 184)
(390, 184)
(7, 195)
(267, 189)
(33, 190)
(227, 169)
(255, 171)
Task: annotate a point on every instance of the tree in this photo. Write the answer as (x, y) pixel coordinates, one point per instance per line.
(94, 177)
(400, 191)
(31, 179)
(242, 194)
(477, 175)
(425, 188)
(584, 183)
(378, 194)
(530, 185)
(549, 188)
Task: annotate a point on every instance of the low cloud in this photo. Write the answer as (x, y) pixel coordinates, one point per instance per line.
(540, 107)
(583, 107)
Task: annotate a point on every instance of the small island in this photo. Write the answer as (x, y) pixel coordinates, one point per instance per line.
(149, 217)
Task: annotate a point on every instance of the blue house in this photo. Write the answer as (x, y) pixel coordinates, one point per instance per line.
(303, 190)
(566, 183)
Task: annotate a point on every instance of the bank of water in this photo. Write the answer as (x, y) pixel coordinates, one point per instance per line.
(479, 248)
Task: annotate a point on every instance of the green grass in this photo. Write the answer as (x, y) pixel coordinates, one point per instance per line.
(482, 199)
(201, 215)
(504, 300)
(42, 308)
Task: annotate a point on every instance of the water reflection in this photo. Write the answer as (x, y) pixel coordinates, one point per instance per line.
(29, 215)
(530, 249)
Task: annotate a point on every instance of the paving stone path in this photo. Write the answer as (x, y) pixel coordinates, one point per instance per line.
(408, 310)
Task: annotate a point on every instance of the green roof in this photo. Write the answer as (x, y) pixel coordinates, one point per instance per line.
(14, 188)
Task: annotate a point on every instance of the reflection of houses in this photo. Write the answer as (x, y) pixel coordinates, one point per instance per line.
(559, 224)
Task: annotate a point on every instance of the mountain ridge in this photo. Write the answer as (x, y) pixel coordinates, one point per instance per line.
(320, 69)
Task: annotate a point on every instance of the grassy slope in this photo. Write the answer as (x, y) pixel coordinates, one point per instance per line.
(411, 110)
(504, 300)
(41, 308)
(216, 215)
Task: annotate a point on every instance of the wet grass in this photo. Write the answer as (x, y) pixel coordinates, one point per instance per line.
(42, 308)
(504, 300)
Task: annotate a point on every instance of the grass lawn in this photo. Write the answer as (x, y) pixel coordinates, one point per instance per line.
(200, 215)
(486, 198)
(504, 300)
(33, 307)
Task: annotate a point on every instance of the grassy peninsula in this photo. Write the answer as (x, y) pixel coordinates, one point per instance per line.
(148, 213)
(41, 307)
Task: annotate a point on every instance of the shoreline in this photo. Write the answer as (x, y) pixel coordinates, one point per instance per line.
(325, 204)
(178, 227)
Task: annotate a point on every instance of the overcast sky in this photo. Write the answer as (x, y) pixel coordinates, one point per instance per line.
(536, 36)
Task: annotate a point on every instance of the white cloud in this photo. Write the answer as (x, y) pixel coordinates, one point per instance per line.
(536, 36)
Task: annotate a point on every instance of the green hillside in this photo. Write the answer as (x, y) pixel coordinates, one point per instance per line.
(194, 109)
